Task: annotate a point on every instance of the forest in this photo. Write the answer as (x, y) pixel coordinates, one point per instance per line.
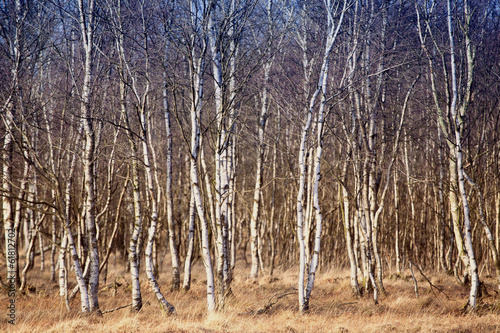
(211, 145)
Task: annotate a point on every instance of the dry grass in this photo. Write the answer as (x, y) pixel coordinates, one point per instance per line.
(333, 308)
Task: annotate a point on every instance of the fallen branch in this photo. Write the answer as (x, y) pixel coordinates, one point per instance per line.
(118, 308)
(272, 301)
(430, 283)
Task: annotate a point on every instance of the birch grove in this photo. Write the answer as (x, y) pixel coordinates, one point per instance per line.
(246, 137)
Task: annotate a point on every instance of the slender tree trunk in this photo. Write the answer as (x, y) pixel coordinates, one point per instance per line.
(221, 160)
(42, 252)
(84, 295)
(333, 30)
(497, 221)
(487, 231)
(63, 271)
(29, 262)
(457, 115)
(133, 250)
(166, 307)
(396, 222)
(172, 241)
(201, 215)
(116, 224)
(18, 213)
(197, 72)
(186, 285)
(347, 233)
(258, 177)
(441, 208)
(272, 222)
(87, 29)
(10, 232)
(410, 194)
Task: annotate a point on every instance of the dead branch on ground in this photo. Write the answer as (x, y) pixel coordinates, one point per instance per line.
(118, 308)
(430, 283)
(272, 301)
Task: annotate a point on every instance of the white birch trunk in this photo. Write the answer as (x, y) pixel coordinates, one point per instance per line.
(473, 271)
(208, 192)
(186, 285)
(197, 73)
(84, 295)
(254, 226)
(87, 27)
(365, 224)
(348, 235)
(201, 215)
(321, 88)
(221, 157)
(63, 271)
(133, 255)
(33, 218)
(317, 176)
(10, 232)
(169, 199)
(166, 307)
(42, 253)
(19, 210)
(457, 116)
(300, 207)
(18, 214)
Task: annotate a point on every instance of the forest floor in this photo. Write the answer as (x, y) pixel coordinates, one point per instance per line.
(332, 309)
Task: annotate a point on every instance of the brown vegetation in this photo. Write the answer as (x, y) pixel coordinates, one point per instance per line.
(334, 308)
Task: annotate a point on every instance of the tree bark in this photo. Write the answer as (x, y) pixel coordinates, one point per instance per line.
(87, 27)
(172, 241)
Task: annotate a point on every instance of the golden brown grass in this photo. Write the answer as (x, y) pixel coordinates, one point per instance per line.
(333, 308)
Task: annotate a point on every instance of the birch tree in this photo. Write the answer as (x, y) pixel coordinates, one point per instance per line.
(139, 84)
(172, 240)
(273, 40)
(215, 38)
(452, 115)
(70, 243)
(144, 115)
(133, 250)
(335, 11)
(88, 24)
(226, 22)
(199, 12)
(14, 39)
